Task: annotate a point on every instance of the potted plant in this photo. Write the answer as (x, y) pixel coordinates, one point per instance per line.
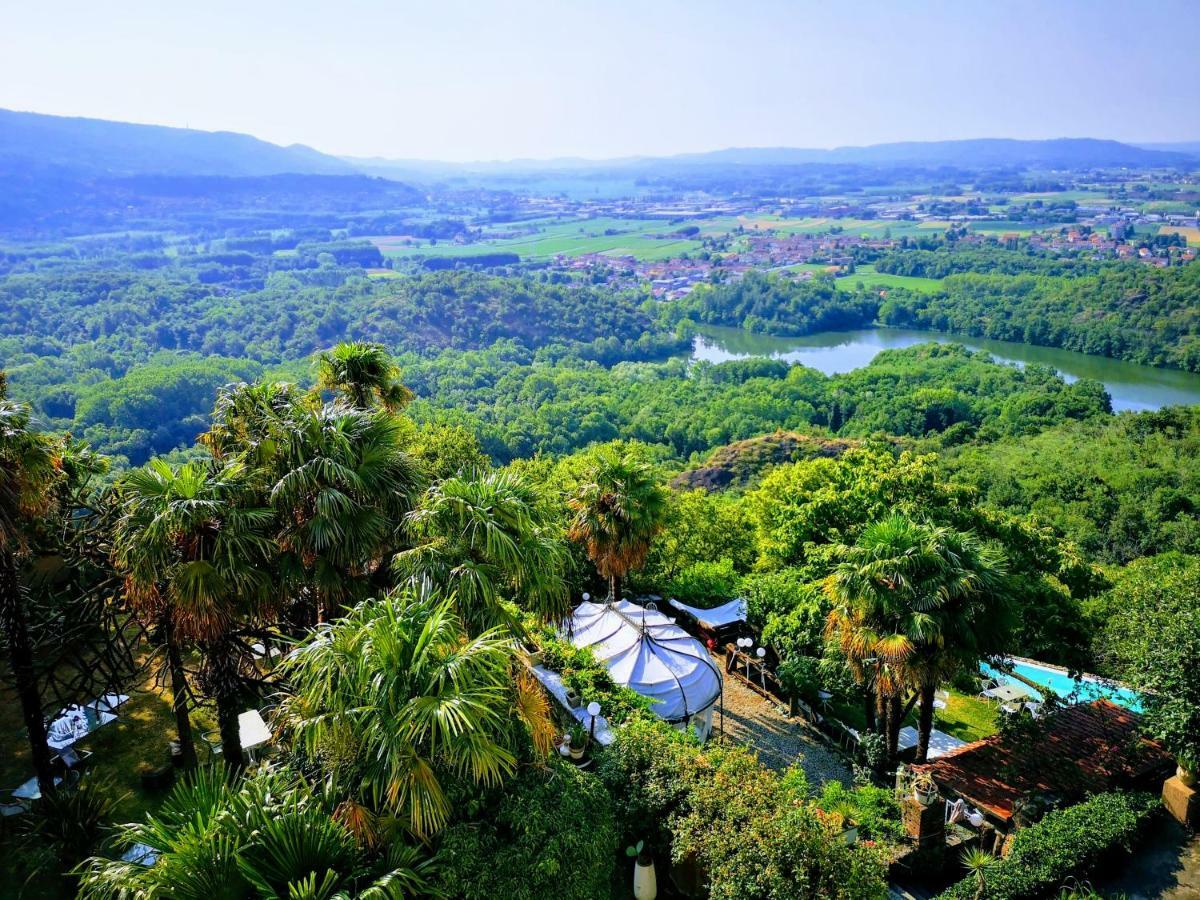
(645, 884)
(924, 789)
(1186, 770)
(578, 738)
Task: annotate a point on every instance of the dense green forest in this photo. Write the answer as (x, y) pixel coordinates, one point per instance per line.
(521, 406)
(1126, 311)
(1146, 315)
(776, 305)
(189, 470)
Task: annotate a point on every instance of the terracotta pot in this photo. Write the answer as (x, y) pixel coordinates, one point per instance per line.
(1187, 776)
(645, 883)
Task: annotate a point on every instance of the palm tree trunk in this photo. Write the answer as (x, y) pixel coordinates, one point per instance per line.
(222, 670)
(20, 650)
(231, 736)
(179, 693)
(925, 722)
(614, 587)
(894, 717)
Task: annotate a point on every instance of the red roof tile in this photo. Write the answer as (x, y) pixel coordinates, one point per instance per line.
(1085, 748)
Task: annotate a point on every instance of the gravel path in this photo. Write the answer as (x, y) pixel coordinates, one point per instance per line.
(779, 740)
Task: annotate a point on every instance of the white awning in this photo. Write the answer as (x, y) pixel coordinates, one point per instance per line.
(645, 650)
(719, 616)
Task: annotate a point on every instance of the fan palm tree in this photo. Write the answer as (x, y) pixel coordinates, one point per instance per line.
(483, 537)
(29, 468)
(364, 374)
(250, 421)
(195, 557)
(617, 510)
(915, 603)
(341, 484)
(395, 693)
(270, 836)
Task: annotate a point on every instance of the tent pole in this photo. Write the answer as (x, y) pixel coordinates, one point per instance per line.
(722, 713)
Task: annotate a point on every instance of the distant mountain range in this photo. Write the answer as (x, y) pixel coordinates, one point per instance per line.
(99, 148)
(990, 153)
(96, 148)
(985, 152)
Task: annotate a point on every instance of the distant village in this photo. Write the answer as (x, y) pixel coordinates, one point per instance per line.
(1092, 230)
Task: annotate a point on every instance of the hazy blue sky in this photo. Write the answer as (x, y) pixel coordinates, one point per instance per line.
(448, 79)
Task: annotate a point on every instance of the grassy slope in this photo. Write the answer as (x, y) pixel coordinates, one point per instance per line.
(869, 278)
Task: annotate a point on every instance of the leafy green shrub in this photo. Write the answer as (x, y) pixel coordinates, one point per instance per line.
(66, 825)
(756, 835)
(551, 833)
(648, 771)
(757, 840)
(1155, 598)
(798, 631)
(774, 593)
(801, 677)
(874, 749)
(705, 584)
(269, 834)
(1067, 842)
(966, 681)
(873, 809)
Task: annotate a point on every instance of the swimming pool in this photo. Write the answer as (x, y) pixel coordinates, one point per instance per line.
(1089, 687)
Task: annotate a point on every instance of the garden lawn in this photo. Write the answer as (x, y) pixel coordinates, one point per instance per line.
(144, 725)
(966, 718)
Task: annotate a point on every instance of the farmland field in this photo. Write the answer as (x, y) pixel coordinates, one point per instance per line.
(869, 278)
(1062, 196)
(643, 239)
(1190, 232)
(1004, 226)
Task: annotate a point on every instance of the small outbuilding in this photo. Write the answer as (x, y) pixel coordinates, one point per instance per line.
(1081, 749)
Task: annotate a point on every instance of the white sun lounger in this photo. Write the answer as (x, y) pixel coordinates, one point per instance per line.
(940, 743)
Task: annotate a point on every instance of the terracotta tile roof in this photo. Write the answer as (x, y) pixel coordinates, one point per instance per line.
(1085, 748)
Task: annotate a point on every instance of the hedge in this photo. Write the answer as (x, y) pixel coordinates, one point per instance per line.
(1066, 842)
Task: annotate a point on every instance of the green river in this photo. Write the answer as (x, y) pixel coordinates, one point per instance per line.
(1132, 386)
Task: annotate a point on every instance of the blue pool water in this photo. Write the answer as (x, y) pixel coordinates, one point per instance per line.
(1089, 687)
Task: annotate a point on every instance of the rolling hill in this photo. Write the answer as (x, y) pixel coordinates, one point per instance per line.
(31, 142)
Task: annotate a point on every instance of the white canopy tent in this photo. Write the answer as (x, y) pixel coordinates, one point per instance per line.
(648, 652)
(717, 617)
